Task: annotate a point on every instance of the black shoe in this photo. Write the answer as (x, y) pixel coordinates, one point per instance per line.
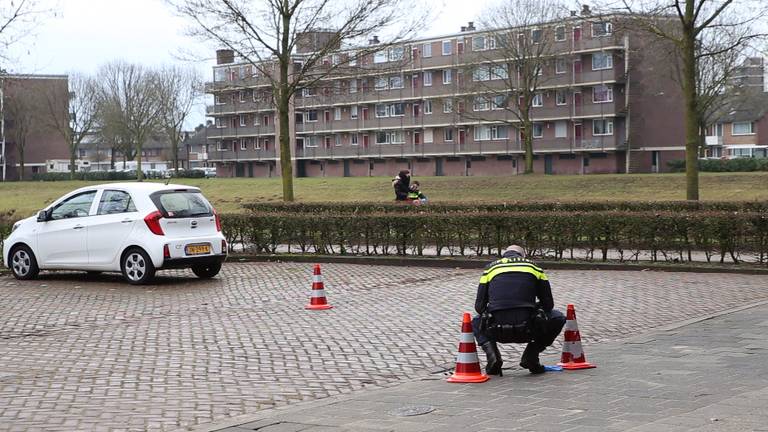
(530, 360)
(493, 358)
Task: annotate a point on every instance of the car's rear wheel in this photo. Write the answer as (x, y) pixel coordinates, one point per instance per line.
(137, 267)
(206, 271)
(23, 263)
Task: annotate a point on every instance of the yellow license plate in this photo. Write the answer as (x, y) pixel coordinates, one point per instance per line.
(197, 249)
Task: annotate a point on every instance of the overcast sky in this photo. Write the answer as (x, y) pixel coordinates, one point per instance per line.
(85, 34)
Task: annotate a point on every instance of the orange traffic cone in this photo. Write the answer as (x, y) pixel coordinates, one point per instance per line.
(467, 365)
(317, 300)
(573, 354)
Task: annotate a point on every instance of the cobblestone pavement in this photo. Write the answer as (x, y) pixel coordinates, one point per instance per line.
(707, 376)
(97, 354)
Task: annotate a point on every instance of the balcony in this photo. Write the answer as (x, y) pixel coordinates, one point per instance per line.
(240, 132)
(242, 155)
(714, 140)
(593, 43)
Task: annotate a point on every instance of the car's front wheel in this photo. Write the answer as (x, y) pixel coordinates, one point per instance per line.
(137, 267)
(206, 271)
(23, 263)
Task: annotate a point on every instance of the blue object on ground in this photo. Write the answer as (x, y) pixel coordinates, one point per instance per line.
(553, 368)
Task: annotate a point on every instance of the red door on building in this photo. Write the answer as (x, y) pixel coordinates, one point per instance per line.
(462, 136)
(577, 134)
(577, 67)
(365, 140)
(327, 116)
(365, 113)
(417, 137)
(576, 34)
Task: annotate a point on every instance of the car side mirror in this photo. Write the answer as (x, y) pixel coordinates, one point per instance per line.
(43, 216)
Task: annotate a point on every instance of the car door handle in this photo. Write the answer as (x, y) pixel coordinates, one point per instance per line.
(126, 221)
(77, 227)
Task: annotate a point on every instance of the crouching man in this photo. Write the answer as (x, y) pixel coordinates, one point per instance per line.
(509, 312)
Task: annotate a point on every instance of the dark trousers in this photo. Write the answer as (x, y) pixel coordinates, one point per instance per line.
(542, 337)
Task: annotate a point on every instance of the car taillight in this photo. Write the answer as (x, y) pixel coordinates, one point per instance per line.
(218, 220)
(153, 222)
(223, 246)
(166, 251)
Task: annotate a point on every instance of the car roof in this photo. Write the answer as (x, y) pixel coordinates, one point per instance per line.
(145, 187)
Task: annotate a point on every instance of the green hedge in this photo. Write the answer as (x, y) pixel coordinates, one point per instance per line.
(527, 206)
(724, 165)
(668, 235)
(91, 175)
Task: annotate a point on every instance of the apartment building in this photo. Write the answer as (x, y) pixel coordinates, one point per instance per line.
(156, 155)
(742, 129)
(606, 105)
(27, 124)
(752, 73)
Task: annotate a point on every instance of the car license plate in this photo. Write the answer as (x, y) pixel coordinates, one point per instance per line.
(197, 249)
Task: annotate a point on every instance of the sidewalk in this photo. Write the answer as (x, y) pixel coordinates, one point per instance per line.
(707, 376)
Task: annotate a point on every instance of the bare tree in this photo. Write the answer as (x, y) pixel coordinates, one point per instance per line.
(689, 25)
(267, 34)
(21, 116)
(80, 104)
(517, 50)
(18, 18)
(179, 89)
(130, 99)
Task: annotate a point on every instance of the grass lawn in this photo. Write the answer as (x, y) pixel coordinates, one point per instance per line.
(228, 194)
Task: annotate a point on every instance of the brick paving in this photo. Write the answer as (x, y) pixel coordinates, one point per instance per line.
(97, 354)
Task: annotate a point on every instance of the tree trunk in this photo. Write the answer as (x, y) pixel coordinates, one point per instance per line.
(72, 154)
(283, 107)
(527, 142)
(21, 163)
(139, 172)
(691, 117)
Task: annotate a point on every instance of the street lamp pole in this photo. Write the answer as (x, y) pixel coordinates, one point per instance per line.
(2, 121)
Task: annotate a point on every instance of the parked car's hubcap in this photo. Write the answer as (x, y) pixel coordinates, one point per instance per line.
(21, 263)
(135, 267)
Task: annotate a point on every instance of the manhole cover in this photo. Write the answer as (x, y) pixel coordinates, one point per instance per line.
(409, 411)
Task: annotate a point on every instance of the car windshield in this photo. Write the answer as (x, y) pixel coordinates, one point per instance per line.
(181, 204)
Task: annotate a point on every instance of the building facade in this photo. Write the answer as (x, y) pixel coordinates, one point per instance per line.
(28, 132)
(742, 128)
(606, 105)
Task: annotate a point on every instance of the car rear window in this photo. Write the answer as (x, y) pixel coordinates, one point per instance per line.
(182, 204)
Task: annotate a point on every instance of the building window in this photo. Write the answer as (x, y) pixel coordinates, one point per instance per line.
(427, 107)
(448, 134)
(427, 78)
(447, 48)
(382, 83)
(380, 57)
(602, 94)
(561, 129)
(560, 66)
(447, 106)
(498, 72)
(242, 120)
(352, 58)
(396, 53)
(337, 137)
(560, 33)
(220, 123)
(429, 135)
(218, 100)
(396, 82)
(743, 128)
(485, 133)
(311, 116)
(538, 130)
(481, 103)
(538, 100)
(602, 61)
(390, 110)
(353, 139)
(241, 95)
(337, 113)
(481, 73)
(426, 50)
(390, 137)
(256, 144)
(353, 86)
(482, 43)
(447, 76)
(499, 102)
(222, 145)
(353, 112)
(307, 92)
(243, 144)
(536, 35)
(602, 127)
(601, 29)
(561, 98)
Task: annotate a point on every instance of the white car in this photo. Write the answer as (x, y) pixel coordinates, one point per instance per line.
(133, 228)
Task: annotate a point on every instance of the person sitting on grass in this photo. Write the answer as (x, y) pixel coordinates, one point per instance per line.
(415, 195)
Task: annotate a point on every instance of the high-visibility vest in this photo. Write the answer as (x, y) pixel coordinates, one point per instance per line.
(507, 265)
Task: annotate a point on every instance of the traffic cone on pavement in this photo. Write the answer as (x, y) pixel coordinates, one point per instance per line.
(317, 301)
(573, 354)
(467, 364)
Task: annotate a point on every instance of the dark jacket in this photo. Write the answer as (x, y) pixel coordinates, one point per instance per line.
(513, 282)
(401, 183)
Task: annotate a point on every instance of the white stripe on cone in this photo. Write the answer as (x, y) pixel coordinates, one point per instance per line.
(571, 325)
(317, 278)
(467, 337)
(467, 358)
(318, 293)
(574, 348)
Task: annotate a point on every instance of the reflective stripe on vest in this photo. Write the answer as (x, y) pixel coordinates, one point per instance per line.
(413, 195)
(506, 265)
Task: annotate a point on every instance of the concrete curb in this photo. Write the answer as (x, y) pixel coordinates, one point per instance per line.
(469, 263)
